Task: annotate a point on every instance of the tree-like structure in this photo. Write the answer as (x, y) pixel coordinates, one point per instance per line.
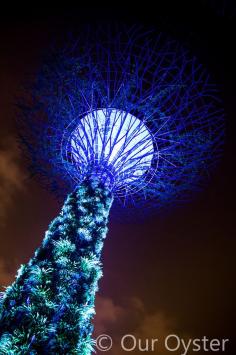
(124, 115)
(49, 307)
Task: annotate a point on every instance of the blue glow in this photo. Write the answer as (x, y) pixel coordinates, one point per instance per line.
(152, 82)
(114, 145)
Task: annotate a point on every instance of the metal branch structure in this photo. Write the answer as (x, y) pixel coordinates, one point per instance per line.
(99, 85)
(112, 145)
(130, 112)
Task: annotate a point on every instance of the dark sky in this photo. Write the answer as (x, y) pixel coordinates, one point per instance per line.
(170, 274)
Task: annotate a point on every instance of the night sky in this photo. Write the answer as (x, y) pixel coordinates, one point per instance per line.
(171, 273)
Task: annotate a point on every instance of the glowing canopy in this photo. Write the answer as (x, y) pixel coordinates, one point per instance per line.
(113, 144)
(87, 96)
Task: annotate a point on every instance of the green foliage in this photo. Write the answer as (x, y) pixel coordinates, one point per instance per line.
(49, 308)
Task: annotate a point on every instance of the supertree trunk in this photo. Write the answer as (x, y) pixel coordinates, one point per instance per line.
(49, 308)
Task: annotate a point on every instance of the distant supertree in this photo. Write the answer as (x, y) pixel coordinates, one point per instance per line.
(121, 115)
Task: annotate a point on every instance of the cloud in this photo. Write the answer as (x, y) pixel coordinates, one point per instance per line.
(108, 314)
(7, 274)
(11, 175)
(131, 318)
(155, 326)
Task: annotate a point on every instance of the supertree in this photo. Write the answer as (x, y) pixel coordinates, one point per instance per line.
(121, 115)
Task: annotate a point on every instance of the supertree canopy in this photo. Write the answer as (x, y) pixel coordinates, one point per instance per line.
(120, 105)
(115, 115)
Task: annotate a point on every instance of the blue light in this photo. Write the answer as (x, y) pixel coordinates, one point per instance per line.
(132, 77)
(113, 145)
